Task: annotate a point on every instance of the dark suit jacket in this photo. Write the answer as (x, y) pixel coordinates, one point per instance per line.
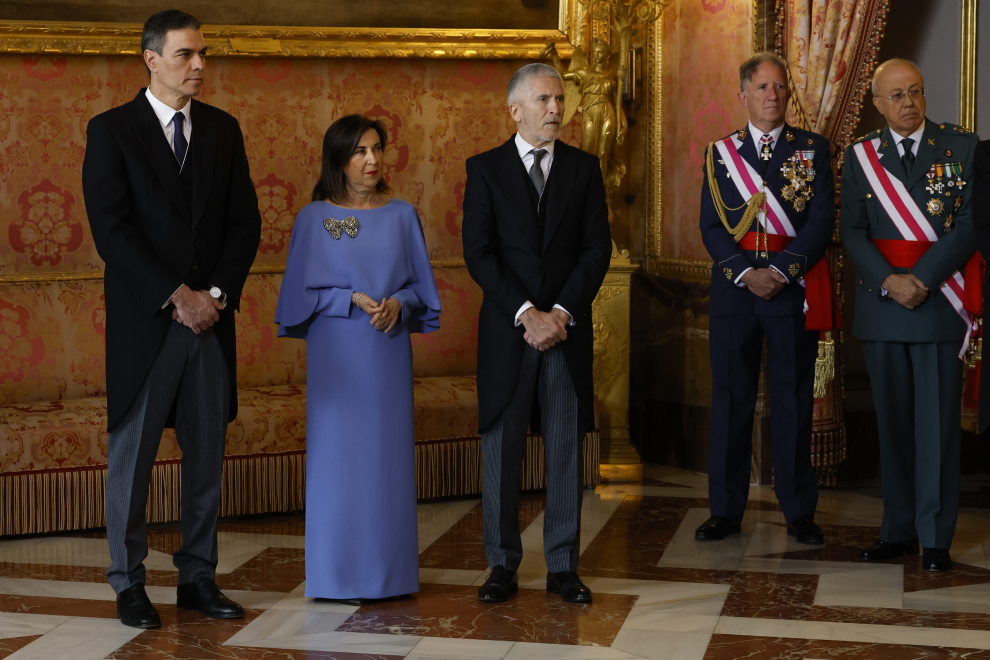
(505, 257)
(981, 225)
(813, 225)
(153, 239)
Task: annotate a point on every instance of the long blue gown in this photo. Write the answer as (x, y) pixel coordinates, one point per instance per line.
(361, 537)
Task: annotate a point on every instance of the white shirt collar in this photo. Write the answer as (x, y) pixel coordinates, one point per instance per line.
(525, 147)
(758, 135)
(916, 136)
(164, 112)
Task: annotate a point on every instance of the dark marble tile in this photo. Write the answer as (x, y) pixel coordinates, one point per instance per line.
(292, 524)
(273, 569)
(771, 595)
(892, 617)
(463, 545)
(440, 610)
(9, 646)
(842, 543)
(740, 647)
(103, 609)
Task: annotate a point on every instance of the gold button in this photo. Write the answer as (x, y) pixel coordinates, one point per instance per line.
(861, 281)
(869, 195)
(728, 175)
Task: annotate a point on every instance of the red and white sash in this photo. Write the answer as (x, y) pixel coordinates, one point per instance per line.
(910, 222)
(772, 217)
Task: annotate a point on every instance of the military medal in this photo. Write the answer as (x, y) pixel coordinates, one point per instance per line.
(936, 206)
(948, 223)
(799, 171)
(765, 152)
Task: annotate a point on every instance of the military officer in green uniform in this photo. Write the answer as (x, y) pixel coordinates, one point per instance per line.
(905, 223)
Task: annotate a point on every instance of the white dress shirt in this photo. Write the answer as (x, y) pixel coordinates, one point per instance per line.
(757, 136)
(916, 136)
(524, 149)
(165, 114)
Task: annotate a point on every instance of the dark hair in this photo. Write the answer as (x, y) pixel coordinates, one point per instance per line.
(159, 25)
(339, 144)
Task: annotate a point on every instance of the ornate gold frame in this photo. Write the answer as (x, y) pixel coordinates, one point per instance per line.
(967, 65)
(656, 262)
(42, 38)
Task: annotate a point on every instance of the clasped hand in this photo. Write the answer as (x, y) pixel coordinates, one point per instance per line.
(764, 282)
(543, 329)
(906, 289)
(197, 310)
(384, 315)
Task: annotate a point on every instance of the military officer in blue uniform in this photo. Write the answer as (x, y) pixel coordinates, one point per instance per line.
(911, 179)
(762, 252)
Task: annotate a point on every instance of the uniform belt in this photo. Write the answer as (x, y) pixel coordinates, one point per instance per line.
(900, 253)
(765, 243)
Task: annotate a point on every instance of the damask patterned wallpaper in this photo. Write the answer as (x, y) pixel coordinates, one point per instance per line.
(438, 113)
(705, 41)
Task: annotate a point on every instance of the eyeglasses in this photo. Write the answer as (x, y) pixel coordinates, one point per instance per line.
(898, 97)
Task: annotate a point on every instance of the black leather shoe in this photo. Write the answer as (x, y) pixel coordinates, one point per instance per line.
(936, 560)
(569, 586)
(205, 596)
(881, 550)
(134, 608)
(498, 585)
(716, 528)
(804, 530)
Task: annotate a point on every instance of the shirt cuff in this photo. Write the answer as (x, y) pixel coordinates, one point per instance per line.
(738, 281)
(571, 322)
(777, 270)
(170, 297)
(526, 305)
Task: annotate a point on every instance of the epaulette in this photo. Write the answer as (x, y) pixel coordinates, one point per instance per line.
(742, 133)
(950, 129)
(869, 136)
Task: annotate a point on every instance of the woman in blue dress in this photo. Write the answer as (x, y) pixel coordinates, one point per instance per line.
(357, 283)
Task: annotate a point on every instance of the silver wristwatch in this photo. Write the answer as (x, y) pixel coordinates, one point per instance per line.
(219, 295)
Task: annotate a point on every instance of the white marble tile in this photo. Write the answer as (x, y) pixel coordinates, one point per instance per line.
(436, 518)
(277, 624)
(71, 551)
(297, 600)
(451, 576)
(234, 551)
(684, 551)
(803, 566)
(663, 645)
(445, 647)
(17, 624)
(854, 632)
(970, 598)
(532, 651)
(881, 586)
(770, 539)
(341, 642)
(968, 551)
(79, 639)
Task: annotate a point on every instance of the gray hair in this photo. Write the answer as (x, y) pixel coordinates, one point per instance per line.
(748, 68)
(527, 73)
(875, 83)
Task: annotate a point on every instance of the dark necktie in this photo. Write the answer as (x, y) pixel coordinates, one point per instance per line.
(907, 160)
(766, 151)
(536, 172)
(179, 143)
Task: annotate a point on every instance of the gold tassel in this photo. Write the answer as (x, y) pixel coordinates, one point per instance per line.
(824, 365)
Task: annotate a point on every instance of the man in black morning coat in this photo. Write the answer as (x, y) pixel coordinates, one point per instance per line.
(175, 217)
(537, 242)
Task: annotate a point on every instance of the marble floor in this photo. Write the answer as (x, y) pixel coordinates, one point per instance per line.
(658, 594)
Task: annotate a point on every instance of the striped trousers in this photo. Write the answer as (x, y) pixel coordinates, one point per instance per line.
(503, 444)
(189, 373)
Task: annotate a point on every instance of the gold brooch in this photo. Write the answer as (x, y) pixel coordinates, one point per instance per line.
(336, 227)
(936, 206)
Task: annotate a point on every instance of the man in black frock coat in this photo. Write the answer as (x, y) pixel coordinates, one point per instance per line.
(175, 217)
(537, 242)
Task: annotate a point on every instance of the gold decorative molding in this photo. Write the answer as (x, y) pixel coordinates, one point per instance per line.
(967, 65)
(654, 144)
(27, 278)
(43, 38)
(681, 269)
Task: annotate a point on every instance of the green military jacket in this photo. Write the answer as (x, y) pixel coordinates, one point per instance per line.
(862, 218)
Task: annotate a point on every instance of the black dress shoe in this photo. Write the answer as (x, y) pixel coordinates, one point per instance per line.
(881, 550)
(569, 586)
(936, 560)
(498, 585)
(205, 596)
(804, 530)
(134, 608)
(716, 528)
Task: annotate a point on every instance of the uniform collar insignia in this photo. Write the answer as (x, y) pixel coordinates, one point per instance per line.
(742, 134)
(790, 136)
